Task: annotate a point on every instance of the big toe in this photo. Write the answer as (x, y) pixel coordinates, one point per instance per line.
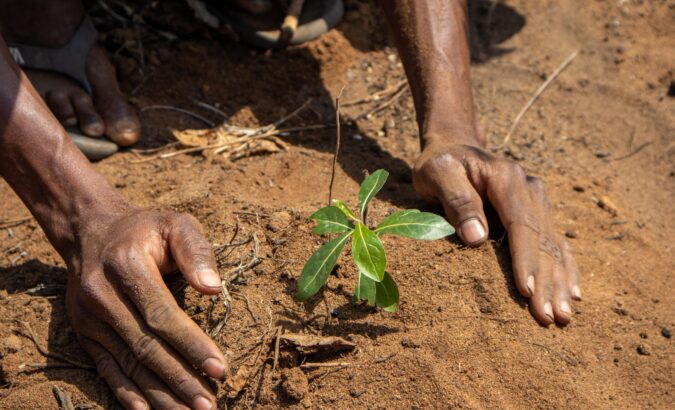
(124, 130)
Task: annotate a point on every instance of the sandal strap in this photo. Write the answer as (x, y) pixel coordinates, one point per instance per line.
(70, 59)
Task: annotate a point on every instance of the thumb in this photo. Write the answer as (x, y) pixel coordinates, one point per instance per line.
(463, 207)
(193, 254)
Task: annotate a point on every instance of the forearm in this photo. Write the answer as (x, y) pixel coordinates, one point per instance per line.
(432, 39)
(42, 165)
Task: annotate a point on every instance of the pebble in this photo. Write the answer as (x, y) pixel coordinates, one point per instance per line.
(294, 383)
(579, 188)
(570, 234)
(608, 205)
(643, 350)
(409, 343)
(665, 332)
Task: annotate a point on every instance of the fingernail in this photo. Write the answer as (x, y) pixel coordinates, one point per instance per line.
(576, 292)
(548, 309)
(473, 231)
(202, 403)
(214, 368)
(565, 307)
(530, 285)
(139, 405)
(209, 278)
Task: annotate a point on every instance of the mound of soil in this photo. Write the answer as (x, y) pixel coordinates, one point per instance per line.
(601, 137)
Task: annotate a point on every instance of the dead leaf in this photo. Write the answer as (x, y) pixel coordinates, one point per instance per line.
(310, 344)
(237, 383)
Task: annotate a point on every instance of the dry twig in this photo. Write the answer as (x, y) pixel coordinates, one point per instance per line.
(536, 95)
(31, 335)
(65, 403)
(179, 110)
(318, 365)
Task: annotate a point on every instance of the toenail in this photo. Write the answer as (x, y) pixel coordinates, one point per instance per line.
(530, 285)
(576, 292)
(548, 309)
(565, 307)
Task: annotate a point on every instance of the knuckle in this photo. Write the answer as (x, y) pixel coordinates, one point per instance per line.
(57, 96)
(157, 315)
(81, 99)
(130, 366)
(184, 382)
(105, 365)
(144, 348)
(460, 201)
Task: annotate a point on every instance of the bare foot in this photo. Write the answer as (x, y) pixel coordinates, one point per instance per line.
(106, 112)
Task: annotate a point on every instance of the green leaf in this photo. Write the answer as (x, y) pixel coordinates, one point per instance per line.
(318, 267)
(415, 224)
(344, 208)
(330, 219)
(368, 253)
(365, 290)
(369, 188)
(387, 293)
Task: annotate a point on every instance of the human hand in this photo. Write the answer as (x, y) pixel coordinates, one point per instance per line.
(145, 346)
(461, 177)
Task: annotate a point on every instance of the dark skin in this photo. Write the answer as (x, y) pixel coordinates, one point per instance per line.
(145, 347)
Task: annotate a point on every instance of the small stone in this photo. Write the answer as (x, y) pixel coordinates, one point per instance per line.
(665, 332)
(409, 343)
(570, 234)
(643, 350)
(294, 383)
(579, 188)
(643, 335)
(279, 221)
(605, 203)
(601, 154)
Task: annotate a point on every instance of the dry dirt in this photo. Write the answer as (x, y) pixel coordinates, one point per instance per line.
(462, 337)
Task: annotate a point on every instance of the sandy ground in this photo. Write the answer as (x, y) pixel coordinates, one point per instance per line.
(603, 131)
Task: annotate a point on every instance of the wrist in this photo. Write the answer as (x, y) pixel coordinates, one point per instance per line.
(452, 134)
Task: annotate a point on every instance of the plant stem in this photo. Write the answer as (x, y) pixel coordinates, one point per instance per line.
(337, 145)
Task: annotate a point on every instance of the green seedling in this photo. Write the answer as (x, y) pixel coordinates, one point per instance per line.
(375, 285)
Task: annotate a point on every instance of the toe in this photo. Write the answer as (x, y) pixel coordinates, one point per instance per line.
(123, 128)
(562, 309)
(90, 122)
(59, 103)
(121, 122)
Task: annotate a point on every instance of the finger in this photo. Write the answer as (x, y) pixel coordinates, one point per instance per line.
(541, 306)
(59, 103)
(156, 392)
(90, 122)
(150, 350)
(562, 308)
(508, 192)
(193, 254)
(462, 204)
(571, 268)
(545, 303)
(166, 319)
(125, 390)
